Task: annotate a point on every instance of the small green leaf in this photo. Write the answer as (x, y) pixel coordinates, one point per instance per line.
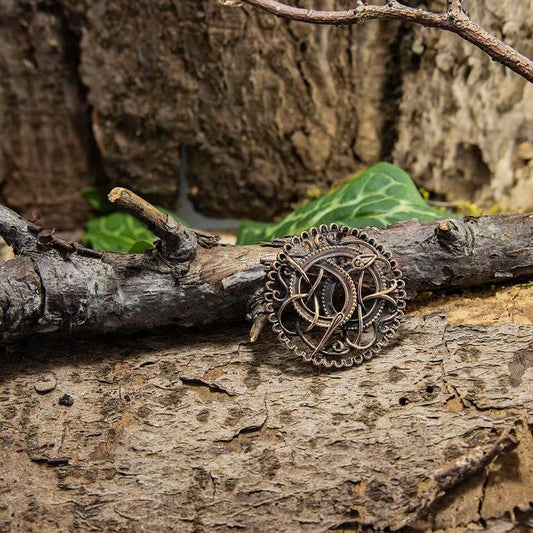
(116, 232)
(97, 199)
(251, 232)
(379, 196)
(140, 246)
(120, 232)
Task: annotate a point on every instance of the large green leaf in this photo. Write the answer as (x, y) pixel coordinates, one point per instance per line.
(379, 196)
(120, 232)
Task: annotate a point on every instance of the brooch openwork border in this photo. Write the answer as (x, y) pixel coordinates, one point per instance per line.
(334, 296)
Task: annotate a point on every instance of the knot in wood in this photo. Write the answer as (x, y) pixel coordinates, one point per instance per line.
(334, 296)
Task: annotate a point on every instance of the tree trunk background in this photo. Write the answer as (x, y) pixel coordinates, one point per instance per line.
(202, 431)
(258, 111)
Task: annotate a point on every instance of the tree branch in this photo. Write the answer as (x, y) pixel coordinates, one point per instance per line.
(464, 467)
(178, 243)
(14, 229)
(53, 285)
(456, 471)
(454, 20)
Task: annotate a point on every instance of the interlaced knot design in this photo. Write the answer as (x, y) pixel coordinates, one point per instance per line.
(334, 296)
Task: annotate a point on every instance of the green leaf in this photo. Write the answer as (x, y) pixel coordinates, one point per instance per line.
(251, 232)
(379, 196)
(140, 246)
(116, 232)
(120, 232)
(97, 199)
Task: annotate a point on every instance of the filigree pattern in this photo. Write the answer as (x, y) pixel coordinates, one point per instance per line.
(334, 296)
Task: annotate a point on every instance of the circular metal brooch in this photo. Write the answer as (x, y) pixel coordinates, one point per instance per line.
(334, 296)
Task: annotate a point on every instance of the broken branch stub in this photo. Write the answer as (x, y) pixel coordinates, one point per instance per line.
(177, 242)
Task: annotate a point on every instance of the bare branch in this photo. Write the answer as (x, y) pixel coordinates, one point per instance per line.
(177, 242)
(464, 467)
(155, 220)
(454, 20)
(474, 461)
(54, 285)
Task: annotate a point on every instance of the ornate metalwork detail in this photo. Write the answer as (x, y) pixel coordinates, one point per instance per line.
(334, 296)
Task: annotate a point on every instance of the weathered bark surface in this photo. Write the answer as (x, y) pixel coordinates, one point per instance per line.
(197, 431)
(465, 127)
(46, 149)
(261, 110)
(86, 291)
(265, 109)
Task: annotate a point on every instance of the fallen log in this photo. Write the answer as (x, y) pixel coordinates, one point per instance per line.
(193, 431)
(56, 286)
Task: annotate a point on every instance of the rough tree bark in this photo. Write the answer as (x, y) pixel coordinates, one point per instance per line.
(201, 431)
(58, 286)
(47, 149)
(268, 109)
(451, 145)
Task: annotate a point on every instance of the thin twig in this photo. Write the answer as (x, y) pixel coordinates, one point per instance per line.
(450, 474)
(48, 240)
(177, 242)
(454, 20)
(156, 221)
(462, 468)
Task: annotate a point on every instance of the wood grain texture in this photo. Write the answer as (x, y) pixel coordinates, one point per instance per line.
(201, 431)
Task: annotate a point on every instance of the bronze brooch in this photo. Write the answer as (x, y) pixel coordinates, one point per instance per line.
(334, 296)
